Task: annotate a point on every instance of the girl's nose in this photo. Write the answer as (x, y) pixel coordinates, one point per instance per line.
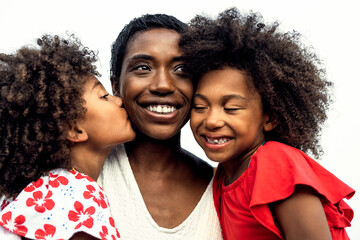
(214, 120)
(118, 101)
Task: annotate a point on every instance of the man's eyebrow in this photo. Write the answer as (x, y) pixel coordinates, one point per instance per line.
(178, 59)
(139, 56)
(148, 57)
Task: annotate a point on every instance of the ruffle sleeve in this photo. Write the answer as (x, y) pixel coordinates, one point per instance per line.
(59, 205)
(274, 172)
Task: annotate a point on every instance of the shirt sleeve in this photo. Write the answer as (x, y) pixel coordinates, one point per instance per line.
(58, 206)
(274, 172)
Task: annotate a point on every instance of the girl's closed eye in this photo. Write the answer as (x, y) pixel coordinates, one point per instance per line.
(105, 96)
(199, 107)
(232, 109)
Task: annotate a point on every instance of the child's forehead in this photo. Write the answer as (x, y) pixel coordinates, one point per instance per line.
(92, 82)
(227, 75)
(226, 82)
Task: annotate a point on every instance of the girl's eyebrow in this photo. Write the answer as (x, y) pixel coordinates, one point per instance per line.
(97, 83)
(225, 97)
(236, 96)
(199, 95)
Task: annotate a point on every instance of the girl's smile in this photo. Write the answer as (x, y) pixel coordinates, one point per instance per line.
(216, 143)
(227, 118)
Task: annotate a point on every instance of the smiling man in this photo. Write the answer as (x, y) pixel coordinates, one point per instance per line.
(156, 189)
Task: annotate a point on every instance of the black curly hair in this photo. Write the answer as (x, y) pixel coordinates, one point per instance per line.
(288, 76)
(145, 22)
(41, 96)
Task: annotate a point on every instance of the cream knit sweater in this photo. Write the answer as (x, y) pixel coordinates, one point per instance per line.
(132, 217)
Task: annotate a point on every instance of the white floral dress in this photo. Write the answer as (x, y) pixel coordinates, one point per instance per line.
(57, 206)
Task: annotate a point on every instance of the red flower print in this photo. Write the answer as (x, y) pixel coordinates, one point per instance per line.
(81, 216)
(104, 234)
(41, 203)
(34, 185)
(57, 181)
(46, 234)
(112, 223)
(81, 176)
(97, 196)
(117, 233)
(14, 225)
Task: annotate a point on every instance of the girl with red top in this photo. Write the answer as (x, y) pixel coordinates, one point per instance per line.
(58, 124)
(260, 101)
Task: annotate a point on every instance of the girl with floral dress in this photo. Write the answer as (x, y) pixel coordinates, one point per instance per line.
(58, 123)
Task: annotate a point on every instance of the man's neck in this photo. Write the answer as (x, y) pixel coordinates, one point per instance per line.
(152, 154)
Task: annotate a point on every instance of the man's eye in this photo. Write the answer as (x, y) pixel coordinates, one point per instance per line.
(179, 68)
(141, 67)
(105, 96)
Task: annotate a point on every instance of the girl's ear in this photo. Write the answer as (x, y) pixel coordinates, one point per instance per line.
(77, 134)
(270, 123)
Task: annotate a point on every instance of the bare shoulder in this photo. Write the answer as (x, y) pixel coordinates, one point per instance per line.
(301, 216)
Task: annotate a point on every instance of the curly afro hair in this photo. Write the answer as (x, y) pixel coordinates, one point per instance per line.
(41, 97)
(288, 76)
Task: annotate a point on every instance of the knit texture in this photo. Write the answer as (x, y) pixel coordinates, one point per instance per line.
(131, 215)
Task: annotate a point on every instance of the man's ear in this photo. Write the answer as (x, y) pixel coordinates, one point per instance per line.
(270, 124)
(77, 134)
(115, 86)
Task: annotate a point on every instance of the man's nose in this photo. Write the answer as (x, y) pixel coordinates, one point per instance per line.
(163, 83)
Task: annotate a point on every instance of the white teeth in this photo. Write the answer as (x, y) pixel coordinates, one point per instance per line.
(217, 140)
(162, 109)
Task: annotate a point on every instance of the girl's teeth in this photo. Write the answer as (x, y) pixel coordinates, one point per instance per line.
(162, 109)
(217, 140)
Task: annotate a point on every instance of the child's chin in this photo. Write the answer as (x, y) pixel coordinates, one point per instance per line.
(215, 159)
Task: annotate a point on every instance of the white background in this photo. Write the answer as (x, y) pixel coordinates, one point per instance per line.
(331, 27)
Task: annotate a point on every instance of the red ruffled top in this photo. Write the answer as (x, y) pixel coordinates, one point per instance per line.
(274, 172)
